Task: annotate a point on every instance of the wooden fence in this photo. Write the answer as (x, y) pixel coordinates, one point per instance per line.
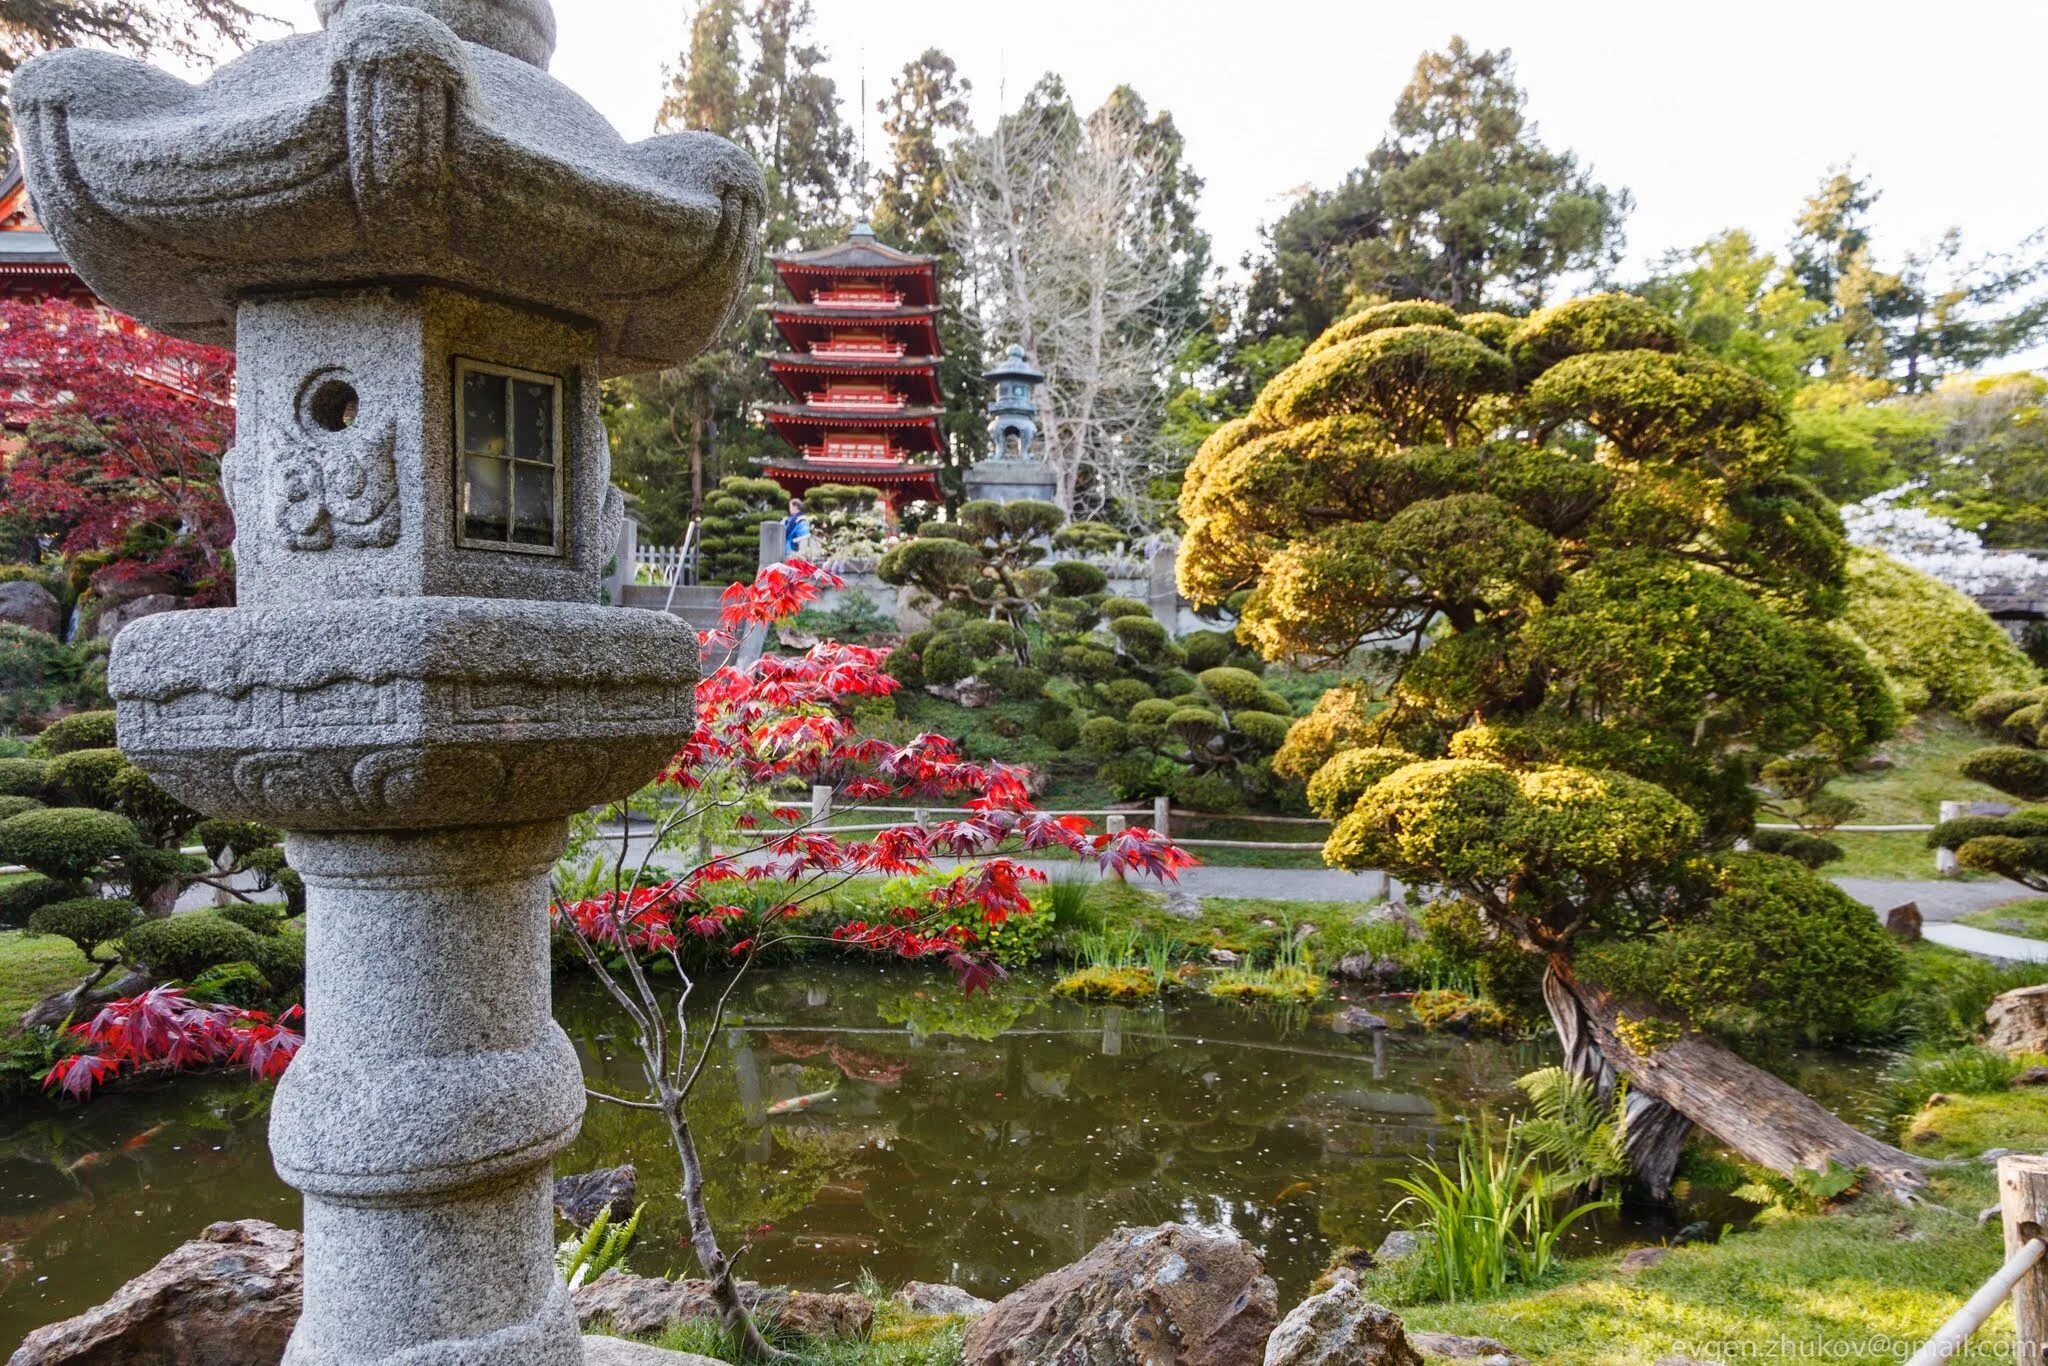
(2023, 1203)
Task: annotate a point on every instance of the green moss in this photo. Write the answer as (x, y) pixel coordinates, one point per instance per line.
(1282, 985)
(1458, 1013)
(1119, 986)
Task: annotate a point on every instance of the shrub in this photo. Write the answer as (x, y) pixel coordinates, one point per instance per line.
(281, 958)
(2021, 772)
(1115, 607)
(1265, 730)
(182, 947)
(1988, 713)
(84, 730)
(255, 918)
(1811, 850)
(66, 842)
(1140, 637)
(1073, 579)
(14, 806)
(1060, 733)
(1119, 695)
(1105, 737)
(1014, 680)
(85, 777)
(1936, 646)
(244, 837)
(23, 777)
(87, 922)
(1234, 688)
(1208, 650)
(1207, 792)
(19, 900)
(1337, 785)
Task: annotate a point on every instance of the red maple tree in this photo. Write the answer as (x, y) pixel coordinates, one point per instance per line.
(122, 431)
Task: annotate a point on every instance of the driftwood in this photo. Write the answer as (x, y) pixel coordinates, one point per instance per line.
(1694, 1080)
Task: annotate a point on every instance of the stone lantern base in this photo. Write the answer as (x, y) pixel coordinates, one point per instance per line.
(1013, 481)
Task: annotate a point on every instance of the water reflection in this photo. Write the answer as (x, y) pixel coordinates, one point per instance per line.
(857, 1119)
(874, 1121)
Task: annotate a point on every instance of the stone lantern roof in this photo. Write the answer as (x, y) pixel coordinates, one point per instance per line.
(421, 140)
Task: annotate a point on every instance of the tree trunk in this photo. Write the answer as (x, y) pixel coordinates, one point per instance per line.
(1695, 1079)
(700, 425)
(717, 1266)
(1656, 1132)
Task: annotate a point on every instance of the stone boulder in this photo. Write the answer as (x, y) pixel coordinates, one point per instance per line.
(2017, 1022)
(1192, 1297)
(1340, 1328)
(116, 618)
(1643, 1258)
(923, 1297)
(23, 603)
(581, 1198)
(230, 1298)
(1354, 1020)
(1904, 922)
(644, 1306)
(619, 1352)
(1453, 1347)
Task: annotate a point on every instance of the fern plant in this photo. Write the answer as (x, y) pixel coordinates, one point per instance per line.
(1803, 1192)
(1584, 1141)
(602, 1248)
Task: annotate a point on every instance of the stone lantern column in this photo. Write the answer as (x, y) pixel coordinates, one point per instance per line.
(428, 255)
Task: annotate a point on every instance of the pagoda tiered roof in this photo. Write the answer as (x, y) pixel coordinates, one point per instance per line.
(861, 325)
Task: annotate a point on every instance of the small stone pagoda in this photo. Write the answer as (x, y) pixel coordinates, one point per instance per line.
(1014, 471)
(427, 254)
(862, 370)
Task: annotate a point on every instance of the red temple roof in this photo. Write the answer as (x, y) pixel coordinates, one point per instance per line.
(803, 377)
(860, 262)
(30, 263)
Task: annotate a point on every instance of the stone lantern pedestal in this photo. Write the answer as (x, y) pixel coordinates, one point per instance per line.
(428, 256)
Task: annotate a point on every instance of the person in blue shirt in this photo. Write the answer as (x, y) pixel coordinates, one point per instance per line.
(796, 529)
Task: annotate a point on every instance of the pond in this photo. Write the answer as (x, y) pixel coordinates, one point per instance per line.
(857, 1119)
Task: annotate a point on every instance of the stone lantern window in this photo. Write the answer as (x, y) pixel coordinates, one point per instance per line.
(508, 442)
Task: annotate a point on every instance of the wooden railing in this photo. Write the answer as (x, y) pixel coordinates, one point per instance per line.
(2023, 1203)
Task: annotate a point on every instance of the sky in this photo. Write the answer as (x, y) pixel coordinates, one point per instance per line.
(1714, 116)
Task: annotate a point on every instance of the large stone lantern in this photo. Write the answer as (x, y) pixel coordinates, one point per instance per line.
(427, 254)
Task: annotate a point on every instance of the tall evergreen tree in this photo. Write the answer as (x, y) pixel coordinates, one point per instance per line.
(924, 117)
(1461, 203)
(179, 28)
(756, 76)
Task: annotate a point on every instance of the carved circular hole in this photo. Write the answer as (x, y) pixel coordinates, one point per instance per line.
(333, 406)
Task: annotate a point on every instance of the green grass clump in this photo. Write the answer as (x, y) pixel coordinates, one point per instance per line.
(1970, 1070)
(1109, 985)
(899, 1338)
(1286, 985)
(1966, 1125)
(2027, 918)
(1457, 1012)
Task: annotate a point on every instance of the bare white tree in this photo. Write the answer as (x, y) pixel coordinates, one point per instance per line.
(1058, 223)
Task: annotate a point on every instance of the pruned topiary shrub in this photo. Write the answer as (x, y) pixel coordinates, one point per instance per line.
(67, 843)
(2021, 772)
(20, 900)
(23, 777)
(181, 947)
(85, 777)
(1811, 850)
(14, 806)
(82, 730)
(88, 922)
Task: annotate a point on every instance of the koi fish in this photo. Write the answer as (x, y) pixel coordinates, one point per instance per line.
(1299, 1188)
(143, 1138)
(89, 1160)
(798, 1104)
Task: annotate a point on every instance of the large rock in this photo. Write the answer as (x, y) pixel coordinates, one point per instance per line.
(1340, 1328)
(581, 1198)
(1904, 922)
(642, 1306)
(23, 603)
(116, 618)
(229, 1298)
(618, 1352)
(2017, 1022)
(1165, 1296)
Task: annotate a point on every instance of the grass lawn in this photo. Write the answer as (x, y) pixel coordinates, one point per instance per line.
(1925, 755)
(32, 968)
(2027, 918)
(1964, 1126)
(1892, 856)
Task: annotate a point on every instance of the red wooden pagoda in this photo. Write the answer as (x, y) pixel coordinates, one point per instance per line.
(861, 369)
